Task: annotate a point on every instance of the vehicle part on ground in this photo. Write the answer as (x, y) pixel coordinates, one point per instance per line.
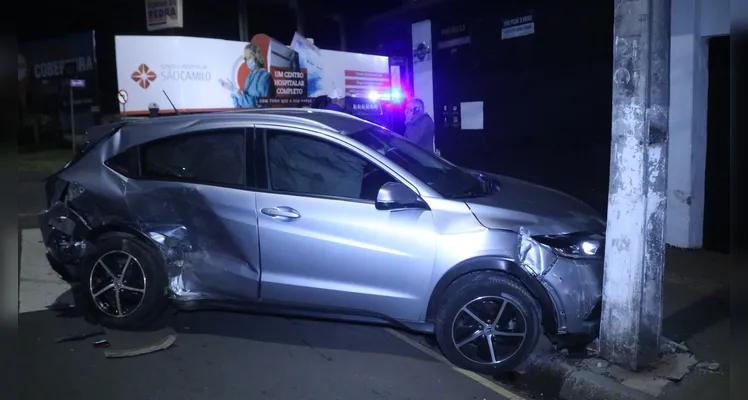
(488, 322)
(163, 344)
(320, 214)
(80, 335)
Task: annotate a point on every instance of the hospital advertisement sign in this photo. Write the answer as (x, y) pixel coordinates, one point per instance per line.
(201, 74)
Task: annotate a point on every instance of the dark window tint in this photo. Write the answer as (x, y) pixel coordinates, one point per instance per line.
(306, 165)
(212, 157)
(126, 163)
(447, 179)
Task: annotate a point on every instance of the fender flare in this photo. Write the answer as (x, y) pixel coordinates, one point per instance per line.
(495, 264)
(118, 229)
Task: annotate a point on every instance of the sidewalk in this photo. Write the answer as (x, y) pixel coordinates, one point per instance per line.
(697, 314)
(39, 286)
(30, 197)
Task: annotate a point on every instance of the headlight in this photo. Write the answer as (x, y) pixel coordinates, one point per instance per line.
(575, 245)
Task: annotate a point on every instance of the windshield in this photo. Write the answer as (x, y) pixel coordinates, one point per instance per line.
(445, 178)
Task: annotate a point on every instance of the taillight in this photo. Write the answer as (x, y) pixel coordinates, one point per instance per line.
(54, 190)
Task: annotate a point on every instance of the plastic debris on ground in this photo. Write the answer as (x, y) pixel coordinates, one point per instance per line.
(80, 335)
(164, 344)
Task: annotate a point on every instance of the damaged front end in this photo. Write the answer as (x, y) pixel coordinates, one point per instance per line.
(570, 268)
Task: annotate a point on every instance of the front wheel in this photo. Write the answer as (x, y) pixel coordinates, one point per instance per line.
(488, 323)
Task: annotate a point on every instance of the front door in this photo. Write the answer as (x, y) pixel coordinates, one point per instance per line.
(323, 242)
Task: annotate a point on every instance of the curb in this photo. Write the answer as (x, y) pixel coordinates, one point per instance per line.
(550, 375)
(28, 221)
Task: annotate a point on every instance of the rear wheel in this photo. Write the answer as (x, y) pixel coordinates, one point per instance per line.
(124, 283)
(488, 322)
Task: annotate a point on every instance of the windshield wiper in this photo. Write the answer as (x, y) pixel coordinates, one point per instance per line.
(486, 188)
(467, 195)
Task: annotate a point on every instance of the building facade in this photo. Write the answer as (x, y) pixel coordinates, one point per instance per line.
(524, 88)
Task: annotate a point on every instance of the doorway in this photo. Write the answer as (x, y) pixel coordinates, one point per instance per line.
(717, 183)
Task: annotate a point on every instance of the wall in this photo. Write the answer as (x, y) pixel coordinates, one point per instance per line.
(546, 96)
(568, 91)
(423, 70)
(692, 22)
(715, 17)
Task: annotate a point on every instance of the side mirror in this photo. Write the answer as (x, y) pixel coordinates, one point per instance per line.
(397, 196)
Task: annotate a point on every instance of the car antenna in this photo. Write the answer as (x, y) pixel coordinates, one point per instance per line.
(170, 102)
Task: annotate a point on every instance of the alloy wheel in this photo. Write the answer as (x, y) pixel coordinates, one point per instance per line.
(117, 284)
(489, 330)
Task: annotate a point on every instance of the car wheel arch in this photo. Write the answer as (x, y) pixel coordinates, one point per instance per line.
(111, 230)
(498, 265)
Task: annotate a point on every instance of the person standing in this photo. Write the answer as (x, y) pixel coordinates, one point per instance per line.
(337, 102)
(419, 127)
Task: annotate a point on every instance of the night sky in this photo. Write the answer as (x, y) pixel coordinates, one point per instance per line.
(203, 18)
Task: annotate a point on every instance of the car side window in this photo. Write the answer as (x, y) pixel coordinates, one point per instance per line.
(307, 165)
(212, 157)
(126, 163)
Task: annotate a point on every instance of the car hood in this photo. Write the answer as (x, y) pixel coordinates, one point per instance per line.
(538, 209)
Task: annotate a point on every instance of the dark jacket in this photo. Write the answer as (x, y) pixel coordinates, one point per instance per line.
(421, 132)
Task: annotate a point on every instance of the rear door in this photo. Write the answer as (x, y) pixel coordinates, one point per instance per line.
(196, 195)
(322, 240)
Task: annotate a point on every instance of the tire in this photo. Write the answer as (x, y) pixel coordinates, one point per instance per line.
(484, 293)
(137, 308)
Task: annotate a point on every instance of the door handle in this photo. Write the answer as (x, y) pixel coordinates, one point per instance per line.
(281, 213)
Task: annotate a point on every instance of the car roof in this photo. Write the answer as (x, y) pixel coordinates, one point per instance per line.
(333, 120)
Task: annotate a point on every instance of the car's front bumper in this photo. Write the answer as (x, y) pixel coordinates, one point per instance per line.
(576, 287)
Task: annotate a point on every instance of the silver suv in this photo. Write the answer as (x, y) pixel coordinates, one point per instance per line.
(319, 213)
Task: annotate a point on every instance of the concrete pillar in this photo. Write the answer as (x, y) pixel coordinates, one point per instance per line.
(340, 19)
(423, 66)
(243, 23)
(688, 110)
(635, 240)
(298, 8)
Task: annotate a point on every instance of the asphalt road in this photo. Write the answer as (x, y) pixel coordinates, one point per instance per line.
(230, 356)
(219, 355)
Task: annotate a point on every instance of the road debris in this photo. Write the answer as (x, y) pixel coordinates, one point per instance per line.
(709, 366)
(60, 306)
(101, 343)
(673, 346)
(164, 344)
(80, 335)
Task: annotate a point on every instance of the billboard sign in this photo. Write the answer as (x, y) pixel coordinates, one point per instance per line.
(45, 71)
(202, 74)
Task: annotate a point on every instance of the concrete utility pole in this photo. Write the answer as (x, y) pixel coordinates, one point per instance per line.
(635, 245)
(339, 18)
(298, 8)
(243, 24)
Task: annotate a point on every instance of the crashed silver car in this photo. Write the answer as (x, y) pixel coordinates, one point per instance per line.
(318, 213)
